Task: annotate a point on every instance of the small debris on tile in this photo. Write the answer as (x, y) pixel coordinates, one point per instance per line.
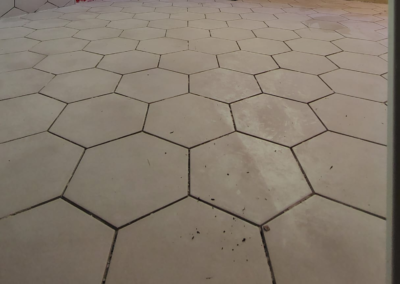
(212, 199)
(331, 167)
(244, 239)
(266, 228)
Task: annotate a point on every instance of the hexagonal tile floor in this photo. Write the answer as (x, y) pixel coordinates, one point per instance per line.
(194, 141)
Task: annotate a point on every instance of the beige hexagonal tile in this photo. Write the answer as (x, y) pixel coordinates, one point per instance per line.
(361, 46)
(275, 34)
(85, 84)
(263, 46)
(19, 60)
(309, 227)
(352, 116)
(246, 24)
(79, 16)
(278, 120)
(127, 24)
(68, 62)
(16, 45)
(15, 32)
(141, 85)
(360, 62)
(224, 85)
(143, 33)
(110, 46)
(319, 34)
(232, 34)
(54, 33)
(163, 45)
(203, 10)
(138, 10)
(247, 62)
(129, 62)
(292, 17)
(88, 24)
(115, 16)
(236, 10)
(286, 25)
(346, 169)
(188, 236)
(57, 46)
(27, 115)
(151, 16)
(188, 33)
(105, 10)
(312, 46)
(268, 10)
(11, 22)
(80, 258)
(142, 174)
(303, 62)
(361, 34)
(325, 25)
(302, 87)
(171, 10)
(362, 11)
(207, 24)
(95, 121)
(46, 24)
(187, 16)
(366, 86)
(302, 11)
(213, 45)
(258, 17)
(40, 16)
(98, 33)
(223, 16)
(241, 174)
(188, 62)
(189, 120)
(168, 24)
(22, 82)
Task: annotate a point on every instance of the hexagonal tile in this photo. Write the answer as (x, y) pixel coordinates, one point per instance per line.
(68, 62)
(361, 11)
(355, 117)
(346, 169)
(20, 60)
(155, 169)
(257, 17)
(263, 46)
(361, 34)
(168, 24)
(279, 120)
(12, 22)
(79, 16)
(246, 24)
(151, 16)
(213, 45)
(187, 16)
(102, 10)
(59, 46)
(360, 62)
(171, 10)
(15, 32)
(129, 62)
(318, 34)
(188, 62)
(110, 46)
(361, 46)
(53, 33)
(46, 24)
(189, 228)
(115, 16)
(241, 174)
(98, 33)
(95, 121)
(81, 258)
(88, 24)
(203, 10)
(325, 25)
(223, 16)
(276, 34)
(143, 33)
(137, 9)
(189, 120)
(309, 227)
(23, 82)
(27, 115)
(141, 85)
(303, 62)
(224, 85)
(127, 24)
(367, 86)
(188, 33)
(39, 16)
(162, 45)
(86, 84)
(302, 87)
(268, 10)
(207, 24)
(312, 46)
(235, 10)
(247, 62)
(286, 25)
(16, 45)
(232, 33)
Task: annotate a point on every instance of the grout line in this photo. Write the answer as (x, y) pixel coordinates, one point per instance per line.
(302, 171)
(267, 255)
(110, 255)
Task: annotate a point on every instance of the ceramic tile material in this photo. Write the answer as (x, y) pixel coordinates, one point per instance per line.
(16, 32)
(46, 24)
(360, 62)
(16, 45)
(232, 34)
(82, 256)
(286, 25)
(88, 24)
(360, 165)
(188, 33)
(224, 85)
(275, 34)
(187, 16)
(162, 45)
(167, 24)
(188, 62)
(275, 119)
(298, 240)
(313, 46)
(95, 121)
(241, 174)
(110, 46)
(189, 236)
(246, 24)
(213, 45)
(207, 24)
(247, 62)
(263, 46)
(141, 85)
(189, 120)
(142, 171)
(352, 116)
(151, 16)
(129, 62)
(224, 16)
(319, 34)
(361, 46)
(57, 46)
(19, 60)
(361, 34)
(79, 16)
(97, 33)
(44, 164)
(54, 33)
(257, 17)
(143, 33)
(303, 87)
